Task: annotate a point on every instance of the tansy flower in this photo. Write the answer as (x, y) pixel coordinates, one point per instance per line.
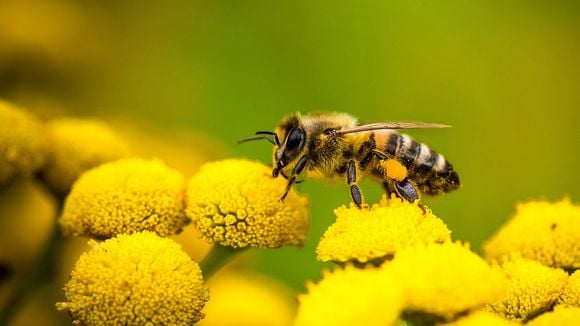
(560, 316)
(571, 294)
(22, 143)
(379, 232)
(351, 296)
(237, 203)
(543, 231)
(241, 299)
(531, 288)
(445, 279)
(135, 279)
(482, 318)
(77, 145)
(125, 196)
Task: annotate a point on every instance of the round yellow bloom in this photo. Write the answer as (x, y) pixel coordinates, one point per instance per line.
(445, 279)
(135, 279)
(351, 296)
(542, 231)
(244, 299)
(379, 232)
(125, 196)
(482, 318)
(22, 143)
(77, 145)
(531, 288)
(560, 316)
(237, 203)
(571, 293)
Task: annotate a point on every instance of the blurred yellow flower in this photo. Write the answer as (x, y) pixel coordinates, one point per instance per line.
(22, 143)
(561, 316)
(244, 299)
(543, 231)
(445, 279)
(77, 145)
(378, 233)
(135, 279)
(351, 296)
(571, 294)
(125, 196)
(482, 318)
(236, 203)
(531, 288)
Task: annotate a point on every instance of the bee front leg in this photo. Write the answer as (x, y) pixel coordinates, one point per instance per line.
(355, 193)
(292, 178)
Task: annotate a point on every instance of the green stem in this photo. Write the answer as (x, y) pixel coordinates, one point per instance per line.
(35, 276)
(217, 257)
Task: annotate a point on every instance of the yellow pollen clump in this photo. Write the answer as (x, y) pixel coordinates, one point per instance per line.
(542, 231)
(377, 233)
(237, 203)
(445, 279)
(138, 279)
(531, 288)
(394, 170)
(351, 296)
(22, 143)
(560, 316)
(571, 294)
(77, 145)
(125, 196)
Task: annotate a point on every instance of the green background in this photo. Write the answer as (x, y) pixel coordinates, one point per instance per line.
(504, 74)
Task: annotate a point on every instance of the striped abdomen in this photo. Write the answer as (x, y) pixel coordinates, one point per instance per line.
(427, 169)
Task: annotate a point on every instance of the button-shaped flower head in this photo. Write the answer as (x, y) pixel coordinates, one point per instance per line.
(126, 196)
(351, 296)
(77, 145)
(445, 279)
(531, 288)
(571, 294)
(378, 233)
(135, 279)
(237, 203)
(22, 143)
(543, 231)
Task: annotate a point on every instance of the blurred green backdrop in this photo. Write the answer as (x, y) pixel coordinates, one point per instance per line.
(504, 74)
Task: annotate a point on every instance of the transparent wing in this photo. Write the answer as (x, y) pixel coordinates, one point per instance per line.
(390, 125)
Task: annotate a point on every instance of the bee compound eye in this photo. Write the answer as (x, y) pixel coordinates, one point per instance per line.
(294, 139)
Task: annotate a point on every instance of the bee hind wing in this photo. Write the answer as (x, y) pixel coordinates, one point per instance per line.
(391, 125)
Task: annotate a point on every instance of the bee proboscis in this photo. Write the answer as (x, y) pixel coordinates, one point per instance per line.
(334, 145)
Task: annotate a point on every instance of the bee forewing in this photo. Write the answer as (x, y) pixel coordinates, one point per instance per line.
(391, 125)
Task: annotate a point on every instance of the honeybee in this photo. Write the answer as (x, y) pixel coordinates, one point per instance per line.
(334, 145)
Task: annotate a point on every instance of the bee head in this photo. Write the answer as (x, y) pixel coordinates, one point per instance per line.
(293, 139)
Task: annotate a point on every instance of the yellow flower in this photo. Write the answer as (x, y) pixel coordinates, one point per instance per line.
(22, 143)
(77, 145)
(351, 296)
(379, 232)
(237, 203)
(560, 316)
(482, 318)
(571, 293)
(531, 288)
(135, 279)
(445, 279)
(125, 196)
(543, 231)
(244, 299)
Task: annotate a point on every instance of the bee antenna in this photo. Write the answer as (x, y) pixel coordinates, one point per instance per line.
(245, 140)
(271, 134)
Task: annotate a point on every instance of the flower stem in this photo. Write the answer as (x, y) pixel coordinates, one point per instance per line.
(217, 257)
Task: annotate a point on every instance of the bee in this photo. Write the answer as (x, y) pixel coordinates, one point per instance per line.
(334, 145)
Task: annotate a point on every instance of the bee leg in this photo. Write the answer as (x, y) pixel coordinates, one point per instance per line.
(406, 190)
(292, 179)
(355, 193)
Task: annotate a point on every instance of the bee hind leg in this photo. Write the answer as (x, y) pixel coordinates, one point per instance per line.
(355, 192)
(406, 190)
